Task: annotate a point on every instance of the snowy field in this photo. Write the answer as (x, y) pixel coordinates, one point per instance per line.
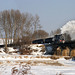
(35, 64)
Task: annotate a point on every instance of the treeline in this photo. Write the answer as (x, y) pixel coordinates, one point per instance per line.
(21, 27)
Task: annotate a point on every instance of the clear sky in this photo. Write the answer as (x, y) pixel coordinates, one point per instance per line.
(53, 13)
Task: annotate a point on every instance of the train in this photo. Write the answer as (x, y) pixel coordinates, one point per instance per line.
(57, 44)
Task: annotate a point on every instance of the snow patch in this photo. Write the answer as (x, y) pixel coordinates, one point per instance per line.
(37, 49)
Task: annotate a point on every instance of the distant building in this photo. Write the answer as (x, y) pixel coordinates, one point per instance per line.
(2, 41)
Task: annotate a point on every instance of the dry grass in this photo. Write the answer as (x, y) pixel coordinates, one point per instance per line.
(69, 57)
(60, 74)
(65, 52)
(58, 51)
(26, 51)
(40, 45)
(29, 62)
(14, 71)
(41, 56)
(43, 50)
(20, 57)
(35, 60)
(17, 62)
(22, 70)
(8, 62)
(43, 62)
(25, 56)
(73, 52)
(1, 62)
(3, 57)
(38, 56)
(54, 57)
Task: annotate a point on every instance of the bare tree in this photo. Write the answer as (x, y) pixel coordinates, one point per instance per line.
(55, 32)
(17, 25)
(4, 22)
(41, 34)
(27, 27)
(37, 25)
(23, 20)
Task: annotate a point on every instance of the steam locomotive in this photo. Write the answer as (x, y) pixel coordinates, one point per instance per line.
(56, 44)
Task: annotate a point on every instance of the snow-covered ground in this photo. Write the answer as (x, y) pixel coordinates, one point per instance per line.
(35, 64)
(39, 65)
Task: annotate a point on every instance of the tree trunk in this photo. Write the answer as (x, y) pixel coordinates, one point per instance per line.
(6, 43)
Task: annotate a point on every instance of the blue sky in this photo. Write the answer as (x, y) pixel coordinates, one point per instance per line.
(53, 13)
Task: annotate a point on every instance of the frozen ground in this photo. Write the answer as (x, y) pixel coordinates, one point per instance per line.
(35, 64)
(41, 70)
(53, 70)
(39, 65)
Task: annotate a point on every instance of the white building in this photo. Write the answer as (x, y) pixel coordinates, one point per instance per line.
(2, 41)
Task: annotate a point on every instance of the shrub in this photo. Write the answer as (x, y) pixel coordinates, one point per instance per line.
(22, 70)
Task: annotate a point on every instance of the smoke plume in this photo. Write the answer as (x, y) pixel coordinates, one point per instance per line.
(69, 28)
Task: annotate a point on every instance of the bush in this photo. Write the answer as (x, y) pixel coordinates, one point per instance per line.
(22, 70)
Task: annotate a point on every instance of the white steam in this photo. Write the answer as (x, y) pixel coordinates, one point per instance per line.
(69, 28)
